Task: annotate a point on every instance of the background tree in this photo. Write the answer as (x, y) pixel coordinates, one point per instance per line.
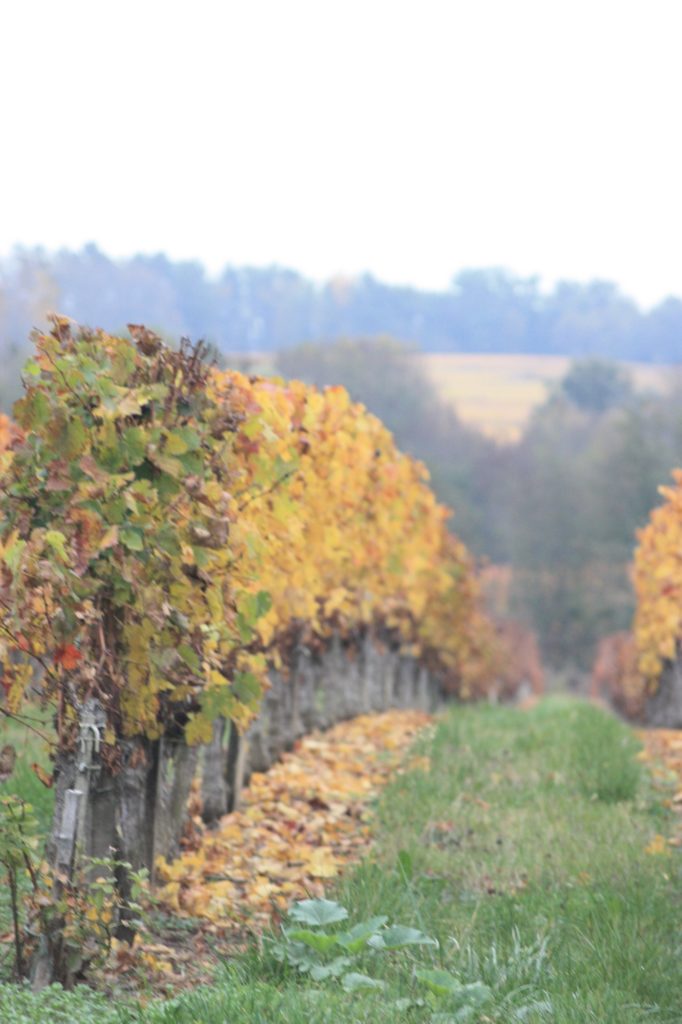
(579, 484)
(595, 385)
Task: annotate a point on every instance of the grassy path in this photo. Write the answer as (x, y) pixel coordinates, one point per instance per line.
(532, 844)
(525, 850)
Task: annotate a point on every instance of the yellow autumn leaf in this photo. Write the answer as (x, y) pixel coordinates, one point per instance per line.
(322, 864)
(175, 445)
(657, 846)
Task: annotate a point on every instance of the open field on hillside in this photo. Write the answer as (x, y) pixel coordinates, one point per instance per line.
(497, 393)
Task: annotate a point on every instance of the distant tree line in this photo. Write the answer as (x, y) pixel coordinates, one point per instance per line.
(266, 309)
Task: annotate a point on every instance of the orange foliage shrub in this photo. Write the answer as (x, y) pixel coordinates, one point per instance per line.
(9, 432)
(519, 663)
(616, 677)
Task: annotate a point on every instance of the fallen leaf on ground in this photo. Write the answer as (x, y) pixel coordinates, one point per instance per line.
(657, 846)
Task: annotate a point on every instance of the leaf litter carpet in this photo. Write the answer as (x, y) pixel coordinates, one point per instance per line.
(299, 825)
(662, 751)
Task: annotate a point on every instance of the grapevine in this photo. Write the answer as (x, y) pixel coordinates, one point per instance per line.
(166, 529)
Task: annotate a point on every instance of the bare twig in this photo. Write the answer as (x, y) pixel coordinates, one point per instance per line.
(25, 723)
(18, 947)
(268, 490)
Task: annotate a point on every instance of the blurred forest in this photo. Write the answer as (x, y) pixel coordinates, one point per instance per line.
(560, 506)
(266, 309)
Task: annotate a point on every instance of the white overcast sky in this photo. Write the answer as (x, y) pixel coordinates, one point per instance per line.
(409, 139)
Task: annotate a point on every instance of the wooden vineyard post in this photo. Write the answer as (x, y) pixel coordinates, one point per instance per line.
(69, 843)
(237, 754)
(169, 790)
(92, 725)
(213, 782)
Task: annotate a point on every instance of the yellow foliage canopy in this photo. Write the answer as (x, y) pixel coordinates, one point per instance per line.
(658, 583)
(169, 528)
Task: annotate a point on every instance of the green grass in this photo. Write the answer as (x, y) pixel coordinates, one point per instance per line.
(18, 1005)
(522, 851)
(24, 783)
(30, 748)
(530, 828)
